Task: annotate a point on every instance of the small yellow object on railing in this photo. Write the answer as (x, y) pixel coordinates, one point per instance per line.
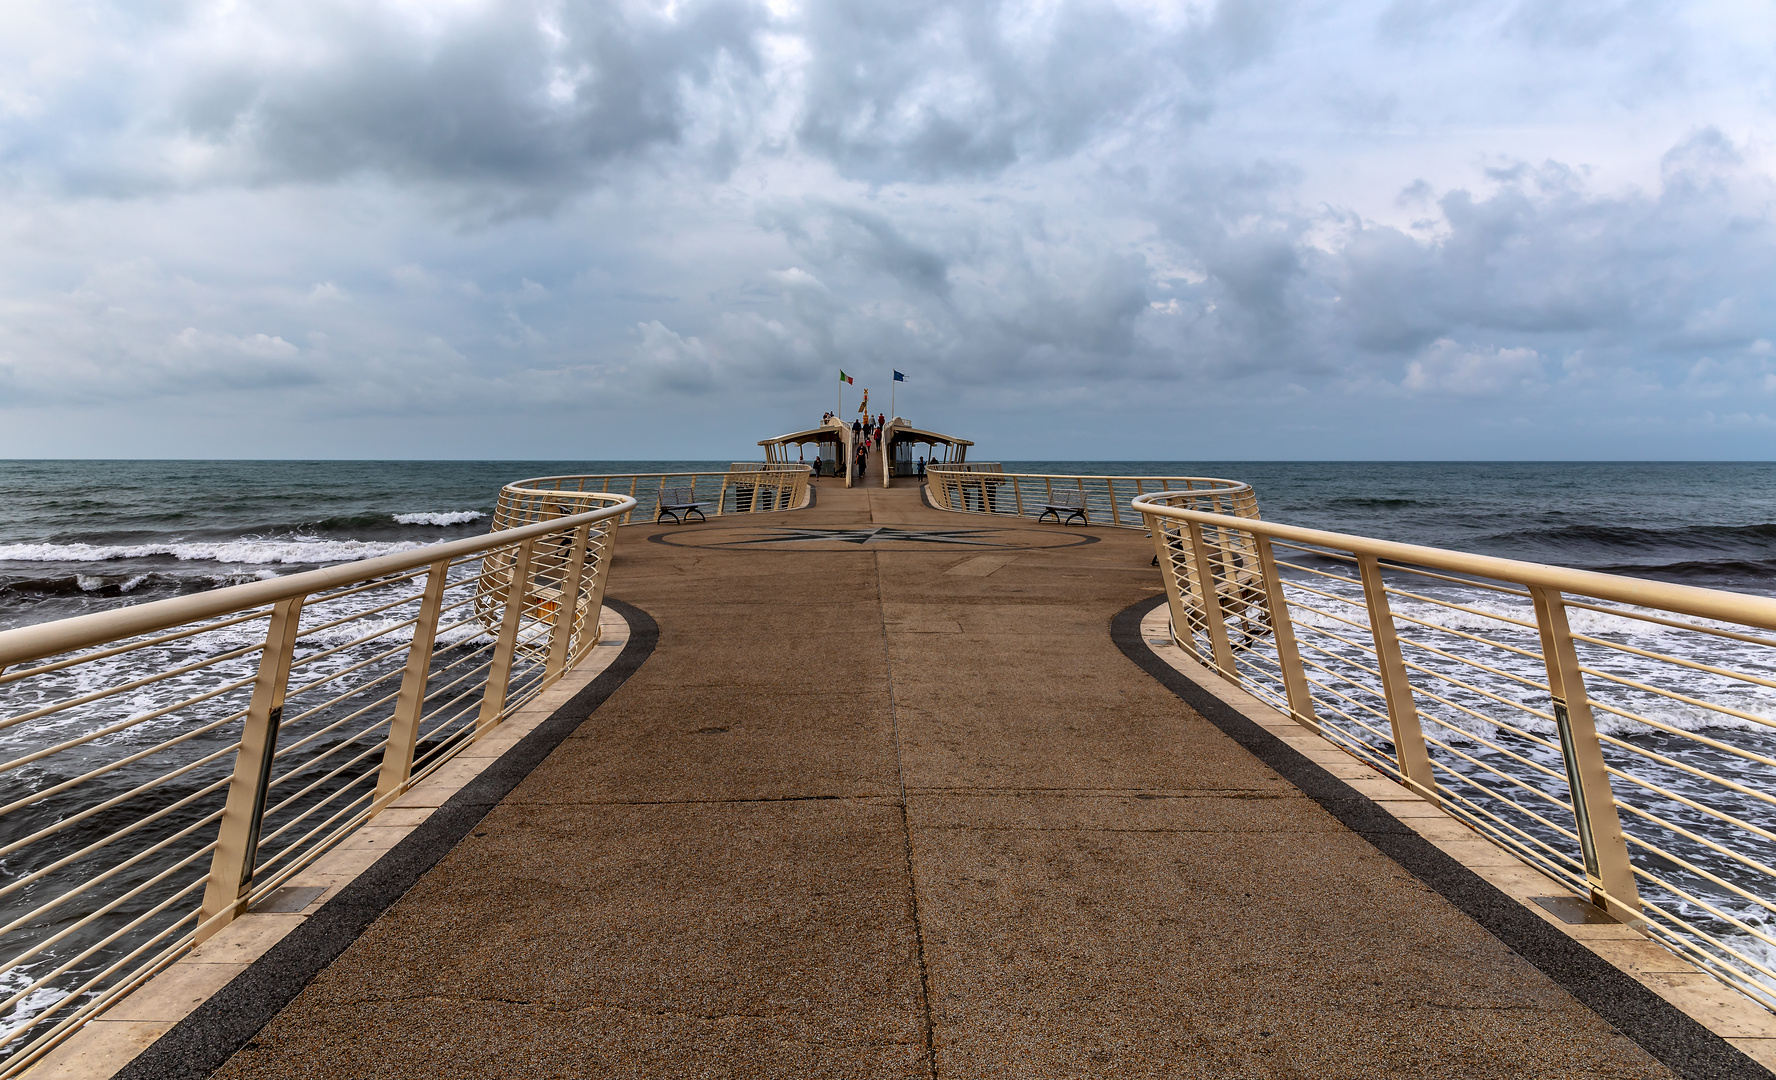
(171, 763)
(1614, 733)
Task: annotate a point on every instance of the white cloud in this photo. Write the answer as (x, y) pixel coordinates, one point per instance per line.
(1447, 368)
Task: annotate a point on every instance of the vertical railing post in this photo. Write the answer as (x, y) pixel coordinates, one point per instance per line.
(1282, 630)
(1602, 844)
(1210, 596)
(397, 756)
(566, 607)
(1174, 588)
(1017, 494)
(1410, 753)
(499, 673)
(599, 547)
(237, 838)
(1115, 514)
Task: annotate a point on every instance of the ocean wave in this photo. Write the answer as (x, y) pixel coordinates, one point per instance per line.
(1375, 503)
(1704, 570)
(448, 517)
(296, 550)
(98, 583)
(1688, 538)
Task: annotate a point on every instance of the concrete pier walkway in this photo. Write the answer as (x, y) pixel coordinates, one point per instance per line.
(887, 801)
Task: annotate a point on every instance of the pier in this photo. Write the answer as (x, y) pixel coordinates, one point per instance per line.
(890, 798)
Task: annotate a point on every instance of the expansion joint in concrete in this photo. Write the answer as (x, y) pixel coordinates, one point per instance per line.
(906, 836)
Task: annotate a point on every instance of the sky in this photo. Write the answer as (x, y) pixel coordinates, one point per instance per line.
(1414, 229)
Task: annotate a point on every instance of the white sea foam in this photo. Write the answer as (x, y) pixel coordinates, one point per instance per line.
(449, 517)
(28, 1006)
(299, 549)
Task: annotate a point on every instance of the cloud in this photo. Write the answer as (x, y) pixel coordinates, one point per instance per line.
(1056, 214)
(1448, 368)
(536, 98)
(929, 89)
(672, 362)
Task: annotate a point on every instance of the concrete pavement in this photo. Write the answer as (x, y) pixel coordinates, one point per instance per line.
(887, 801)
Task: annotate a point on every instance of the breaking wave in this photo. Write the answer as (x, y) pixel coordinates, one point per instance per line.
(449, 517)
(296, 550)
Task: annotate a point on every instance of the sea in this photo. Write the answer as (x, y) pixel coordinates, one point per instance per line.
(84, 536)
(79, 536)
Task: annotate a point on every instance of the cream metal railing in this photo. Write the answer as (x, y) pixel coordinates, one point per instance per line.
(1614, 733)
(745, 487)
(985, 489)
(966, 466)
(170, 764)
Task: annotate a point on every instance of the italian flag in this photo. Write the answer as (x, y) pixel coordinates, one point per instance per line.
(844, 378)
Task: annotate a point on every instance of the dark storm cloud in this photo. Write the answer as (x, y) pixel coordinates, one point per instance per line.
(933, 89)
(526, 94)
(863, 241)
(543, 96)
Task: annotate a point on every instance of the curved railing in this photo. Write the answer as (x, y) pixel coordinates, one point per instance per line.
(168, 765)
(743, 488)
(968, 466)
(1614, 733)
(973, 489)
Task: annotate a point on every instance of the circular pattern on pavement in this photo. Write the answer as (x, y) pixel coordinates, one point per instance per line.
(878, 537)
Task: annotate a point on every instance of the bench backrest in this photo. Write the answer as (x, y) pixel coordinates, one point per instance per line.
(1072, 498)
(676, 496)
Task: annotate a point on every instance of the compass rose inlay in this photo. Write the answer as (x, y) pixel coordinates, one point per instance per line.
(907, 538)
(873, 534)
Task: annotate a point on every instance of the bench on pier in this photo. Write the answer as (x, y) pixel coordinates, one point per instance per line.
(678, 503)
(1069, 503)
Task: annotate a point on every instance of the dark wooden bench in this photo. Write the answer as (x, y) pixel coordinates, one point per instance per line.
(1069, 503)
(678, 503)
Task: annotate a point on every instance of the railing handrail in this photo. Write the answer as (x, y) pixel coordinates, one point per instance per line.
(1690, 599)
(777, 466)
(1225, 485)
(81, 631)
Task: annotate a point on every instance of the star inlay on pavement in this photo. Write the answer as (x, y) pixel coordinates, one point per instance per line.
(874, 534)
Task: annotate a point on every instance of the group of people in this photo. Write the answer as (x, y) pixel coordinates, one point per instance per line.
(866, 435)
(865, 430)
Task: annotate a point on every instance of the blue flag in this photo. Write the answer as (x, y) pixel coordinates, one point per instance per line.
(898, 377)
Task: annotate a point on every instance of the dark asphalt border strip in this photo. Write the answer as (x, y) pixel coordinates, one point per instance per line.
(1681, 1043)
(201, 1043)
